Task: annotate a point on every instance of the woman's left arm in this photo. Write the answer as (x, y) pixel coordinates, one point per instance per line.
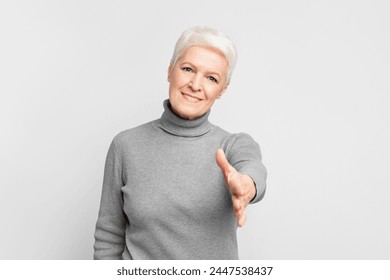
(244, 172)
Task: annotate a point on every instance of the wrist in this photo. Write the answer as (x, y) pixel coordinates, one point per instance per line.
(252, 188)
(254, 192)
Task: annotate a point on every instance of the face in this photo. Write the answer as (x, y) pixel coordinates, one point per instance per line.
(198, 77)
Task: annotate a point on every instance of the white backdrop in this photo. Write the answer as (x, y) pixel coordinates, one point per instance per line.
(311, 86)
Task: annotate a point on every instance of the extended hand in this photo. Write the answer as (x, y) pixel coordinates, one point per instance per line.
(241, 187)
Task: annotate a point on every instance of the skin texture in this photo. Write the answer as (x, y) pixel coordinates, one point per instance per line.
(196, 80)
(200, 73)
(241, 187)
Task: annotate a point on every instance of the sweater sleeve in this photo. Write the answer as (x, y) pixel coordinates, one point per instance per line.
(244, 154)
(111, 223)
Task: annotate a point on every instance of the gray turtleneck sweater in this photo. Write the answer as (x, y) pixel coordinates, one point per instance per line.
(164, 196)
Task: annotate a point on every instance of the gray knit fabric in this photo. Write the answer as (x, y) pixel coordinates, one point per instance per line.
(164, 196)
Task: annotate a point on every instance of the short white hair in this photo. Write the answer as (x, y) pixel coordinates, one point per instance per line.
(207, 37)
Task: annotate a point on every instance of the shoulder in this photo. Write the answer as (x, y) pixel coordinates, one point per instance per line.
(132, 135)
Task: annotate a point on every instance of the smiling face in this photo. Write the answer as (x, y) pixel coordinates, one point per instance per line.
(196, 79)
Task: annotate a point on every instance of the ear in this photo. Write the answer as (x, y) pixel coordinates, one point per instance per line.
(169, 73)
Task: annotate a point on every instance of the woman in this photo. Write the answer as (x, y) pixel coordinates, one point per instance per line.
(177, 187)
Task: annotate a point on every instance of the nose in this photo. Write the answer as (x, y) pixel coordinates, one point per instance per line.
(195, 83)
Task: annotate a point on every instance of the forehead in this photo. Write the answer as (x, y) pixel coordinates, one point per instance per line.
(204, 57)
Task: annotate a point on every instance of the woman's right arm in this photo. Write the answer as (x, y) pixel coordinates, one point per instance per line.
(111, 223)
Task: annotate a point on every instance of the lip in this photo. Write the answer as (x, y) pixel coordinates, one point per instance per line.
(192, 96)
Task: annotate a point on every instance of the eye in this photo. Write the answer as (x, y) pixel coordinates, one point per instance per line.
(211, 78)
(187, 69)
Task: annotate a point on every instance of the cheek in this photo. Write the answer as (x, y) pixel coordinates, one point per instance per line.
(213, 91)
(179, 80)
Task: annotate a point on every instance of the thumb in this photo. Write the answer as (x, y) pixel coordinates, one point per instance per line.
(223, 162)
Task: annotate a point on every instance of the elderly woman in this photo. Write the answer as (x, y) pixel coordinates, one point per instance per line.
(178, 187)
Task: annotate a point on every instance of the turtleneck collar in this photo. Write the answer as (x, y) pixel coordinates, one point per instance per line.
(176, 125)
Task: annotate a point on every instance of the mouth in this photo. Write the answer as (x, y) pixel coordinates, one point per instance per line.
(190, 97)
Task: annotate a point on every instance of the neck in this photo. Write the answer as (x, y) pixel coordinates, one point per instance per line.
(176, 125)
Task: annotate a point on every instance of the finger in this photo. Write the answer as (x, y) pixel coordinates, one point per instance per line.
(237, 189)
(241, 210)
(242, 219)
(236, 205)
(223, 162)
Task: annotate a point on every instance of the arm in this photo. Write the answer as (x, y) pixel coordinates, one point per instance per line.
(111, 223)
(244, 173)
(245, 155)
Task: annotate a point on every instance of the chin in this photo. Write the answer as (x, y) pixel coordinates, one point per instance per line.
(189, 114)
(187, 110)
